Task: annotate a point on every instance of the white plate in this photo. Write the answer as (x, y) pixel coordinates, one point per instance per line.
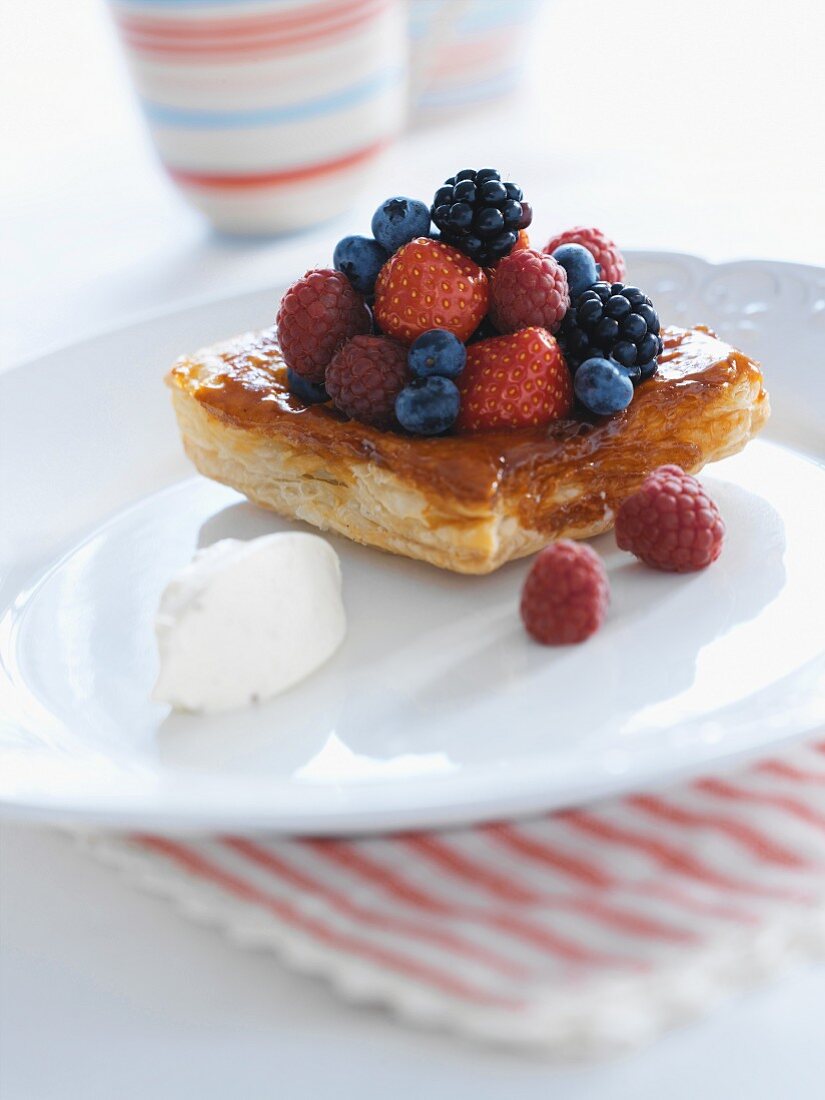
(437, 709)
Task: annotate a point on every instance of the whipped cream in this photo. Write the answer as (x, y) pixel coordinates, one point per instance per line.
(246, 620)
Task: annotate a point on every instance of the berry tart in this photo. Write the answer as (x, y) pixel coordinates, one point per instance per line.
(448, 392)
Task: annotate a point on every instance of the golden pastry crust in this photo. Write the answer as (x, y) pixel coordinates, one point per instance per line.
(467, 503)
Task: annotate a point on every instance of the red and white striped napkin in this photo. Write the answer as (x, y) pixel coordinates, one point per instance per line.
(579, 931)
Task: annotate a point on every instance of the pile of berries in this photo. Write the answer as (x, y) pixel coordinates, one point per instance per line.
(466, 327)
(669, 523)
(470, 329)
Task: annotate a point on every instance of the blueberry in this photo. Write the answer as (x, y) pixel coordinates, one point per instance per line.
(603, 386)
(400, 220)
(311, 393)
(580, 266)
(360, 259)
(633, 327)
(428, 406)
(437, 352)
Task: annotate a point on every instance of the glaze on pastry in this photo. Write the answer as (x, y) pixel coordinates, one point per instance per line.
(467, 503)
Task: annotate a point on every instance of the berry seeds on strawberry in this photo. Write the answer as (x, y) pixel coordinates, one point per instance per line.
(517, 381)
(427, 285)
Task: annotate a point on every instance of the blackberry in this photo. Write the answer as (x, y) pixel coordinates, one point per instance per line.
(611, 319)
(480, 215)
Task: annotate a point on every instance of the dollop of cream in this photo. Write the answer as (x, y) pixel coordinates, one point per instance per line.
(244, 621)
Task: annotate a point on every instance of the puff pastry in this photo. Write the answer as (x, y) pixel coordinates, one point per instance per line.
(467, 503)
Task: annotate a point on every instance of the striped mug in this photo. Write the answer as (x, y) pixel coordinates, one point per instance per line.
(267, 114)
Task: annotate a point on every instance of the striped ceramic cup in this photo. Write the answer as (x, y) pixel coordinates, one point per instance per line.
(268, 113)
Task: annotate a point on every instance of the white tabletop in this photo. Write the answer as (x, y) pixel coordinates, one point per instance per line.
(696, 130)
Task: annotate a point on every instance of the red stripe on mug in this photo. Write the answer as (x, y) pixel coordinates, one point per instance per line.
(273, 42)
(236, 181)
(245, 25)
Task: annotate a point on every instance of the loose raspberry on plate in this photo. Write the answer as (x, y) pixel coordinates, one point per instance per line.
(603, 250)
(529, 288)
(317, 314)
(670, 523)
(565, 596)
(515, 381)
(365, 377)
(428, 284)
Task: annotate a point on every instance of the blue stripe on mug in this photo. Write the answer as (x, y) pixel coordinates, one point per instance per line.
(469, 93)
(194, 118)
(485, 16)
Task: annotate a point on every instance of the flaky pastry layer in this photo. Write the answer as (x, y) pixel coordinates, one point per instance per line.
(467, 503)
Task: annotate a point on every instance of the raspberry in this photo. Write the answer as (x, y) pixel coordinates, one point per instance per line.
(529, 289)
(317, 314)
(603, 250)
(566, 594)
(365, 377)
(670, 523)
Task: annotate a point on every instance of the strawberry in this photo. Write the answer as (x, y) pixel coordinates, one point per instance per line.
(515, 381)
(428, 284)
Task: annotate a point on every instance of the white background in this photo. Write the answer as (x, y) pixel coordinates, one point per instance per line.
(694, 127)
